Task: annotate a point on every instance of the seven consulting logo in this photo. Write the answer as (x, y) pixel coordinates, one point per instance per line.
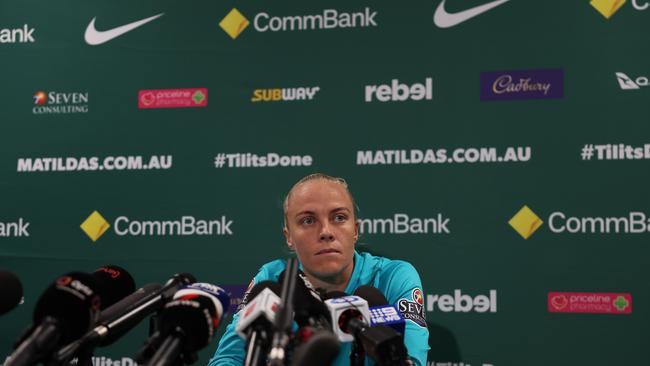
(444, 19)
(96, 225)
(626, 83)
(60, 102)
(94, 37)
(590, 302)
(413, 309)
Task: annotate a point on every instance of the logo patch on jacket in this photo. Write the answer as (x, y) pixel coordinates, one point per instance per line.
(413, 309)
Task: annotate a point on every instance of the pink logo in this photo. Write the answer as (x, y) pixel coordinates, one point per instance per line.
(590, 302)
(173, 98)
(417, 296)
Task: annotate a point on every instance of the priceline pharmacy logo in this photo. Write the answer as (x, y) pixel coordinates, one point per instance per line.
(526, 222)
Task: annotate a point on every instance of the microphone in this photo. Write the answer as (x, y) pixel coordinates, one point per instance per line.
(309, 309)
(349, 315)
(124, 315)
(188, 322)
(62, 313)
(94, 337)
(382, 343)
(115, 283)
(320, 349)
(380, 312)
(256, 321)
(12, 292)
(284, 317)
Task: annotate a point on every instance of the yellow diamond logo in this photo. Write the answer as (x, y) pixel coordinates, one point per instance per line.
(607, 7)
(95, 226)
(234, 23)
(525, 222)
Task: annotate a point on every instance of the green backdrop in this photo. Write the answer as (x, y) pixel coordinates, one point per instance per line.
(91, 108)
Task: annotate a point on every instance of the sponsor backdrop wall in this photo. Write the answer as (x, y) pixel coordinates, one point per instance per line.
(501, 147)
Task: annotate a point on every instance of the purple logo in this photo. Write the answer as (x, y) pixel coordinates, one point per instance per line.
(522, 84)
(236, 293)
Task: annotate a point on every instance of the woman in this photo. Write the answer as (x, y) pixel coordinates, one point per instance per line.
(321, 227)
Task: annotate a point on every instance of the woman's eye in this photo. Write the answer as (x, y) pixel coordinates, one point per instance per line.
(340, 218)
(307, 220)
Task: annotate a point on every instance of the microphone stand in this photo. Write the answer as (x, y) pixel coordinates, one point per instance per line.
(283, 321)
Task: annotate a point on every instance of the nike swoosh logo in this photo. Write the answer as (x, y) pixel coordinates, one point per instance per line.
(94, 37)
(445, 20)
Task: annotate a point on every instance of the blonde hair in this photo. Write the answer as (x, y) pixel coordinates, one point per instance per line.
(316, 176)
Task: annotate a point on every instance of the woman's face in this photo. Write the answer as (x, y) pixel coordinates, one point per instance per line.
(322, 229)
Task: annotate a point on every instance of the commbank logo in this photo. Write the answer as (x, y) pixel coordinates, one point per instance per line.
(444, 19)
(526, 222)
(96, 225)
(234, 23)
(17, 35)
(15, 229)
(401, 223)
(608, 8)
(626, 83)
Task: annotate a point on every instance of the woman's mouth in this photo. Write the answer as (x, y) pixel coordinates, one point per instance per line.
(328, 251)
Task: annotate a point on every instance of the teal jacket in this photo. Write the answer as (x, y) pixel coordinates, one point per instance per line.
(397, 280)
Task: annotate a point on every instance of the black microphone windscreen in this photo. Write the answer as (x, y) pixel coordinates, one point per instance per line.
(115, 284)
(196, 318)
(12, 291)
(321, 349)
(74, 300)
(307, 302)
(372, 295)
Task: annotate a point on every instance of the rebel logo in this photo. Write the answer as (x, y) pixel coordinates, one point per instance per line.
(413, 310)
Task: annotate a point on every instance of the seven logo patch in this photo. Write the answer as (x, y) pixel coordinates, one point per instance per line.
(413, 309)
